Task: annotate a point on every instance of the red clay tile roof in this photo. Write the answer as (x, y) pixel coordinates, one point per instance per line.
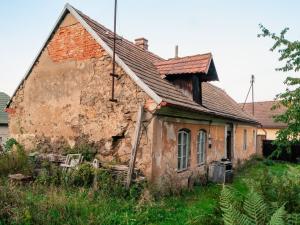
(143, 64)
(185, 65)
(264, 114)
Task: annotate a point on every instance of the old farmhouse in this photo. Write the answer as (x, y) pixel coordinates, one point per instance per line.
(264, 114)
(65, 98)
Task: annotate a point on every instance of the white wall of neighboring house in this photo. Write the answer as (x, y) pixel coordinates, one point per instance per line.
(270, 133)
(3, 134)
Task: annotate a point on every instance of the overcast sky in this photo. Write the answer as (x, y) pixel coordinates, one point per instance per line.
(228, 29)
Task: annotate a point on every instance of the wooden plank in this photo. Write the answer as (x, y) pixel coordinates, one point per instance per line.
(134, 145)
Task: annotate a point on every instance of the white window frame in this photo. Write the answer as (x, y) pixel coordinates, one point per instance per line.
(245, 139)
(201, 147)
(183, 149)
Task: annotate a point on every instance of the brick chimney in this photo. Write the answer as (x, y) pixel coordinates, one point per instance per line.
(142, 43)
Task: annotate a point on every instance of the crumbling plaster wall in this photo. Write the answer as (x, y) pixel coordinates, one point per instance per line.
(66, 97)
(165, 147)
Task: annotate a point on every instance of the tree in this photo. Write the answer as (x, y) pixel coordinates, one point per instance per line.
(289, 52)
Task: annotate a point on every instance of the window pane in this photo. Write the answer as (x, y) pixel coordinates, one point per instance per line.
(179, 151)
(183, 162)
(201, 147)
(198, 143)
(179, 138)
(188, 149)
(183, 149)
(184, 137)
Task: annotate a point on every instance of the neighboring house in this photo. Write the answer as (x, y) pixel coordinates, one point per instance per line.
(264, 114)
(65, 99)
(4, 98)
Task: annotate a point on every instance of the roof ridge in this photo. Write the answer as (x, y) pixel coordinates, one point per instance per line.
(260, 102)
(188, 56)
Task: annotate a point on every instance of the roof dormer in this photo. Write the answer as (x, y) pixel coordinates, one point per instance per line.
(187, 73)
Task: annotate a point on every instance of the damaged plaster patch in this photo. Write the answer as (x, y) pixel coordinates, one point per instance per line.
(170, 132)
(157, 157)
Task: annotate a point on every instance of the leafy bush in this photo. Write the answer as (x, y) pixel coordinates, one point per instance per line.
(268, 162)
(279, 190)
(8, 201)
(15, 161)
(109, 184)
(9, 144)
(49, 174)
(83, 175)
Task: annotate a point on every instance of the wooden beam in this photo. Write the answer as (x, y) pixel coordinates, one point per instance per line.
(135, 145)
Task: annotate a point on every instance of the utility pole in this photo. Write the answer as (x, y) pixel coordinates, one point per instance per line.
(250, 89)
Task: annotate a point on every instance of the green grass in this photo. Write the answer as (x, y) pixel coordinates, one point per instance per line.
(57, 205)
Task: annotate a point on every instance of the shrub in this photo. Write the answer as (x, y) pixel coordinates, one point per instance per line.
(109, 184)
(280, 189)
(8, 201)
(49, 174)
(82, 176)
(15, 161)
(268, 162)
(9, 144)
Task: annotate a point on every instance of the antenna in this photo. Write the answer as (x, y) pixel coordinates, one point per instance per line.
(251, 88)
(113, 74)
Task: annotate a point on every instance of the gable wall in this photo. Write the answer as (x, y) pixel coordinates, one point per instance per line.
(65, 100)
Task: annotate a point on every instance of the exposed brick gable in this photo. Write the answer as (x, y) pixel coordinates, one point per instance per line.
(73, 42)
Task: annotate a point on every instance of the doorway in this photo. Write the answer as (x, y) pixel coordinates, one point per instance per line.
(228, 145)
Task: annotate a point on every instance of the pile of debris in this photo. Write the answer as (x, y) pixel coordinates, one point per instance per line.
(73, 161)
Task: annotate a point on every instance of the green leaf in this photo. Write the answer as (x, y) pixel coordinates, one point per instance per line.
(255, 208)
(278, 217)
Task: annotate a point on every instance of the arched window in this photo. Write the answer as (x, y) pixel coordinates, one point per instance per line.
(201, 147)
(184, 138)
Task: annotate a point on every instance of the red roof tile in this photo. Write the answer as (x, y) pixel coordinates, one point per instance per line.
(264, 114)
(185, 65)
(148, 67)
